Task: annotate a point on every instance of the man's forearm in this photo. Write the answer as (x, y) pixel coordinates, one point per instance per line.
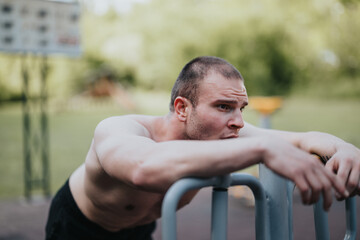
(322, 144)
(178, 159)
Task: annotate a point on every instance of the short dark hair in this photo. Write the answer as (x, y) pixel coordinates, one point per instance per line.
(188, 81)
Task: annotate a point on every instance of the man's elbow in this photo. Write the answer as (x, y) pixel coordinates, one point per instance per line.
(149, 179)
(139, 179)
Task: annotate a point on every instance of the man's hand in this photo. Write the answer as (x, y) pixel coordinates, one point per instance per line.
(305, 170)
(346, 164)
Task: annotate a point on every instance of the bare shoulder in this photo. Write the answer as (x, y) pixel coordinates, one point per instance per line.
(136, 125)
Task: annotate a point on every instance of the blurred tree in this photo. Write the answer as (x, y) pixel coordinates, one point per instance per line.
(281, 47)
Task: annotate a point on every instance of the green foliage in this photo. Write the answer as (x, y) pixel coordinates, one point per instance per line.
(280, 47)
(95, 67)
(267, 68)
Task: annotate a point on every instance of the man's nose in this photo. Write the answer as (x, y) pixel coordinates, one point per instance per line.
(237, 121)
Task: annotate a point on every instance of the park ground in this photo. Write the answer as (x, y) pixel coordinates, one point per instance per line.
(21, 220)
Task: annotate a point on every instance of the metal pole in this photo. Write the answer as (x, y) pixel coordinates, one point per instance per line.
(45, 180)
(35, 140)
(290, 190)
(26, 128)
(350, 206)
(219, 214)
(321, 221)
(219, 204)
(278, 198)
(171, 200)
(219, 209)
(277, 203)
(261, 217)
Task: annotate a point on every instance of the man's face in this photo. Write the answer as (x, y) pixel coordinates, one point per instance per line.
(218, 114)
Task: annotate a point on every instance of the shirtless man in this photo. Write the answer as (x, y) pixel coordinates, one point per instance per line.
(133, 160)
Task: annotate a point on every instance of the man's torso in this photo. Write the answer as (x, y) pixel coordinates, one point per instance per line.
(111, 203)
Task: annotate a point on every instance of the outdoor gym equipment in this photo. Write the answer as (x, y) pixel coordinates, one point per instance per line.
(273, 198)
(33, 30)
(263, 205)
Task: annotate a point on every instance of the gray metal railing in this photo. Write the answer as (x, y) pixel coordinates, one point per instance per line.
(269, 211)
(322, 225)
(219, 204)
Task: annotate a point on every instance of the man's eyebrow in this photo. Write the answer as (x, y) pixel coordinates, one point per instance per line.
(229, 101)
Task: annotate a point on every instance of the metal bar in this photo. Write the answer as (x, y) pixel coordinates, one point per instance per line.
(171, 201)
(321, 221)
(278, 197)
(35, 140)
(44, 129)
(290, 190)
(276, 189)
(219, 205)
(350, 206)
(219, 214)
(219, 208)
(261, 218)
(26, 128)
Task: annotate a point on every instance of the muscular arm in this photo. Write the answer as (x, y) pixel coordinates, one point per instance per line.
(344, 158)
(126, 152)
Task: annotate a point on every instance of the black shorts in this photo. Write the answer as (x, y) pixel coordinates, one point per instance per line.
(67, 222)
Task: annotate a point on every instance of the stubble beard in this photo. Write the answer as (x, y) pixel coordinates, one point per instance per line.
(195, 130)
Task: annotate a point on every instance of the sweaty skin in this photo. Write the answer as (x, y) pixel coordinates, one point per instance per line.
(134, 159)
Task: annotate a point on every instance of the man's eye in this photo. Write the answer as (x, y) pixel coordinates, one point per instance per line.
(223, 107)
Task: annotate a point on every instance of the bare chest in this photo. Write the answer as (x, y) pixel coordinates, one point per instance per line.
(126, 207)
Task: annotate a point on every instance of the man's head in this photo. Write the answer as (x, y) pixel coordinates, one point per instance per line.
(188, 82)
(208, 98)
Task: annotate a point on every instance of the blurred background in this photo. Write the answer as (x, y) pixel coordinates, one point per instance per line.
(306, 51)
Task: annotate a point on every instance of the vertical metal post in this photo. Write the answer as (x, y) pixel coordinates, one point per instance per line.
(261, 216)
(350, 206)
(278, 198)
(219, 204)
(26, 128)
(321, 221)
(219, 209)
(265, 121)
(45, 180)
(290, 190)
(35, 140)
(277, 202)
(171, 200)
(219, 214)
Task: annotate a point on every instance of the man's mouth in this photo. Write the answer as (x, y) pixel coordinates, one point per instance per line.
(231, 136)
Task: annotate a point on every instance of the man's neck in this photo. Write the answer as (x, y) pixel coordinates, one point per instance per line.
(167, 128)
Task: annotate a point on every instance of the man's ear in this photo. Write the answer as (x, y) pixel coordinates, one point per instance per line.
(181, 106)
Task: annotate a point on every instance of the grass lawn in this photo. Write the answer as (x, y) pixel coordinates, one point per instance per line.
(71, 131)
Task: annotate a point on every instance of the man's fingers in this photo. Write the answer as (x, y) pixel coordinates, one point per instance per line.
(338, 196)
(304, 189)
(338, 183)
(330, 165)
(326, 187)
(327, 199)
(344, 171)
(352, 184)
(316, 186)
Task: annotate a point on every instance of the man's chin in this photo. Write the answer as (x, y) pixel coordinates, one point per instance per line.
(230, 136)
